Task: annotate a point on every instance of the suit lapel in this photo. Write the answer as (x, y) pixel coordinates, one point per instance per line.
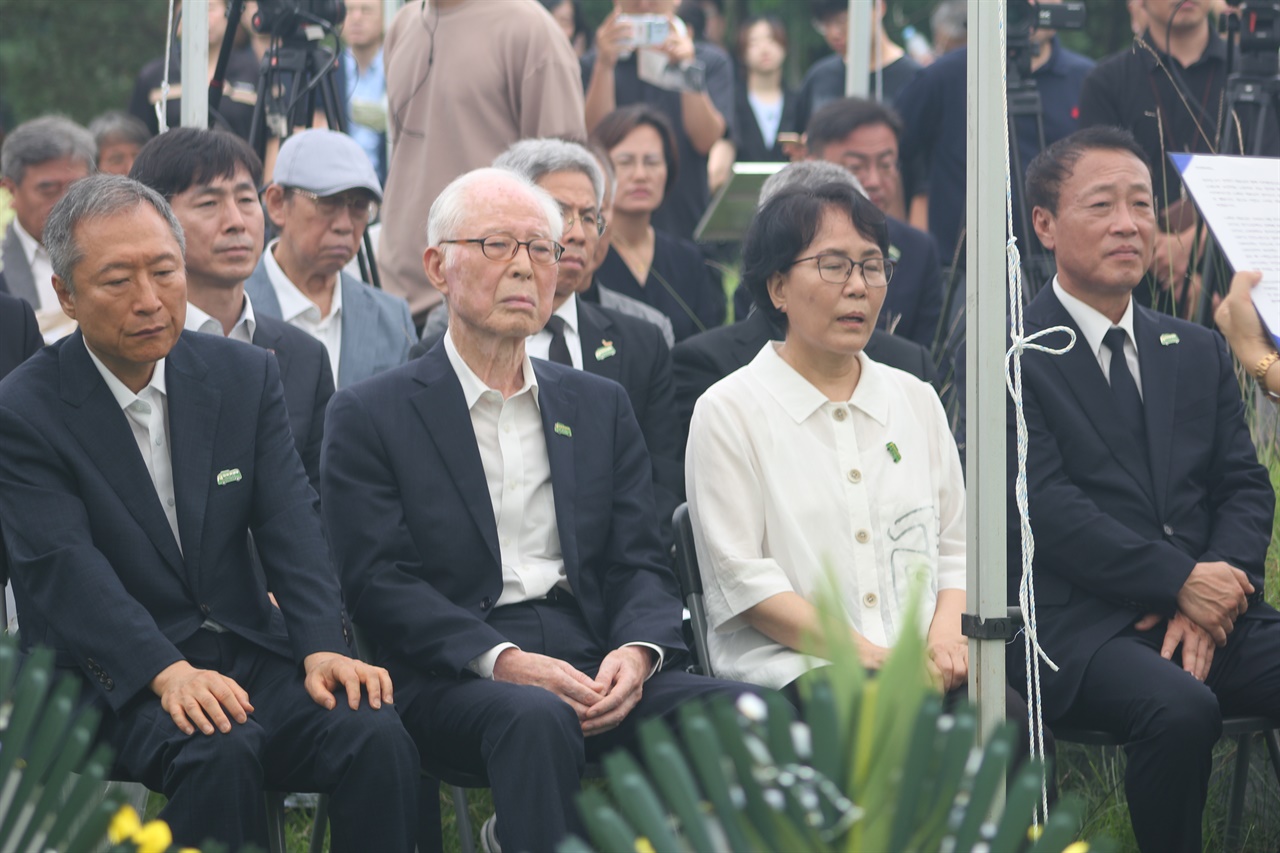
(268, 338)
(17, 272)
(594, 328)
(95, 419)
(559, 407)
(359, 331)
(443, 410)
(1158, 366)
(194, 403)
(1079, 368)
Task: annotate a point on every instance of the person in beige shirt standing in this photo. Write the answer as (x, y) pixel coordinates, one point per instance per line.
(465, 79)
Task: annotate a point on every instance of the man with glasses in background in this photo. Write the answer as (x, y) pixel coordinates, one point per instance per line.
(324, 193)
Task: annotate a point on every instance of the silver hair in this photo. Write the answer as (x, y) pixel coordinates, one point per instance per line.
(951, 20)
(43, 139)
(807, 174)
(118, 126)
(535, 158)
(451, 207)
(95, 197)
(606, 166)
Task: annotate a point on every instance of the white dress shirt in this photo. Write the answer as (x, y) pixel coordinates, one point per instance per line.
(198, 321)
(538, 345)
(41, 269)
(1095, 325)
(786, 486)
(517, 470)
(148, 415)
(297, 309)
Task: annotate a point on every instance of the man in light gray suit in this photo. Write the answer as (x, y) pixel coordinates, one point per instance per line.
(324, 193)
(39, 161)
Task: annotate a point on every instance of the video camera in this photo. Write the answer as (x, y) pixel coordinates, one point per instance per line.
(1026, 16)
(1259, 36)
(276, 16)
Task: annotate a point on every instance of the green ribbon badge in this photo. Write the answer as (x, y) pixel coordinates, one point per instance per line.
(605, 350)
(229, 475)
(561, 429)
(1168, 339)
(893, 451)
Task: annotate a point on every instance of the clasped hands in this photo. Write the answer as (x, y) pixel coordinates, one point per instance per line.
(1213, 597)
(207, 700)
(600, 703)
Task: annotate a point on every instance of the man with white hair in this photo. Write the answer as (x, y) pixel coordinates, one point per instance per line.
(493, 521)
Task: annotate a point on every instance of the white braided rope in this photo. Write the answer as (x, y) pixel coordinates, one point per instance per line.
(1019, 344)
(162, 105)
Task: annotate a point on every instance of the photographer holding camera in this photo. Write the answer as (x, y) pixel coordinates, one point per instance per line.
(1168, 90)
(645, 54)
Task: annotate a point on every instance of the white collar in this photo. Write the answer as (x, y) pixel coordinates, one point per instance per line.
(569, 313)
(124, 397)
(473, 387)
(1093, 324)
(293, 302)
(196, 318)
(30, 245)
(799, 398)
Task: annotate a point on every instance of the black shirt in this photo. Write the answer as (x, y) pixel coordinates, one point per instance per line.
(1133, 87)
(825, 83)
(678, 285)
(748, 138)
(688, 199)
(239, 93)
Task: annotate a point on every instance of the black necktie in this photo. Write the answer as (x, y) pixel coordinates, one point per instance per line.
(559, 350)
(1123, 388)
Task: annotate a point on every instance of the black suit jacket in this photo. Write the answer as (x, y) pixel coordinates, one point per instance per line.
(413, 529)
(641, 363)
(307, 377)
(746, 130)
(1112, 542)
(96, 570)
(19, 332)
(704, 359)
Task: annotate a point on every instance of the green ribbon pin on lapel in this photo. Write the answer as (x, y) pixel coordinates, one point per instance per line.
(605, 350)
(229, 475)
(561, 429)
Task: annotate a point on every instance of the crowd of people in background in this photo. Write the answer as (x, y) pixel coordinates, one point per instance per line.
(481, 356)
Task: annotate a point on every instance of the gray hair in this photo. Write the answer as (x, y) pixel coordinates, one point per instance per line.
(534, 158)
(806, 175)
(43, 139)
(451, 207)
(95, 197)
(950, 21)
(606, 166)
(118, 126)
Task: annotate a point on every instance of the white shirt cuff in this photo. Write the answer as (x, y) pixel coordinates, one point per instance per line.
(657, 653)
(483, 665)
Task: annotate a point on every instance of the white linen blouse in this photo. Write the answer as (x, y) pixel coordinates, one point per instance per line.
(785, 486)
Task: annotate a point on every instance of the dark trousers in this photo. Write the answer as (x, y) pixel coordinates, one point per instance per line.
(527, 740)
(363, 759)
(1170, 722)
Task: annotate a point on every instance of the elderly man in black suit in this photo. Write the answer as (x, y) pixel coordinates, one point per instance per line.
(492, 516)
(211, 179)
(134, 460)
(1150, 510)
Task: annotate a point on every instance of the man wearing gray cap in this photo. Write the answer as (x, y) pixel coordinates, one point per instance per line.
(324, 193)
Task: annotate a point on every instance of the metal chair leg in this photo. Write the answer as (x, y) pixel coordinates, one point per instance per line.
(1239, 784)
(319, 825)
(466, 838)
(275, 822)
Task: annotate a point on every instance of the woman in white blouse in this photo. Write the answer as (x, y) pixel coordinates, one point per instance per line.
(814, 459)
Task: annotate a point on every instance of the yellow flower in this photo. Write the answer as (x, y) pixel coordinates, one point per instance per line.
(155, 837)
(188, 850)
(644, 845)
(1077, 847)
(1035, 831)
(124, 824)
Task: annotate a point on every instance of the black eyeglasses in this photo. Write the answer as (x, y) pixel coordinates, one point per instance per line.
(836, 269)
(499, 248)
(362, 208)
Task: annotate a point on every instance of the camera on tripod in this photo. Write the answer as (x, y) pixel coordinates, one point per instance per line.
(1026, 16)
(278, 16)
(1259, 36)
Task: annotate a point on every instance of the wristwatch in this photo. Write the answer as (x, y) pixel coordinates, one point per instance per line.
(1260, 373)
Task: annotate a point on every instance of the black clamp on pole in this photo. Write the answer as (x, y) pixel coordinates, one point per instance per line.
(998, 628)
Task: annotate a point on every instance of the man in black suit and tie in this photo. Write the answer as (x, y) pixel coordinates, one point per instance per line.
(1150, 510)
(492, 516)
(134, 459)
(211, 179)
(19, 332)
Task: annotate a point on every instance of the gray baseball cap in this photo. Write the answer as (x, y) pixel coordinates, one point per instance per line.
(325, 162)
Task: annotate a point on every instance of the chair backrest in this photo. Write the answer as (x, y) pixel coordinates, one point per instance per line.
(691, 585)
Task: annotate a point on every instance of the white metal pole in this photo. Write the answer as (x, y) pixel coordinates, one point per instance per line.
(985, 336)
(195, 63)
(857, 56)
